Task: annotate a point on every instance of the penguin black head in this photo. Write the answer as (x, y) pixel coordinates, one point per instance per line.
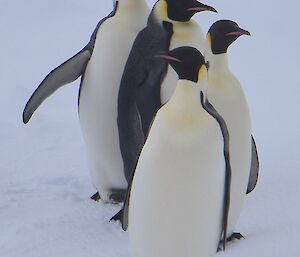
(188, 62)
(223, 33)
(183, 10)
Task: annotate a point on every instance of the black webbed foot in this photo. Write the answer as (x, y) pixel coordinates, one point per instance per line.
(96, 197)
(235, 236)
(118, 216)
(117, 195)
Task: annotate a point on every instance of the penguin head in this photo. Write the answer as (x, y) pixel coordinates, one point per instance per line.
(223, 33)
(188, 63)
(182, 10)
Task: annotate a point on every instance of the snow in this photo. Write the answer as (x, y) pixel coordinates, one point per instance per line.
(44, 179)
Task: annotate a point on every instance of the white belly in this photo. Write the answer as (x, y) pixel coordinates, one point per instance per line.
(177, 194)
(231, 104)
(188, 35)
(99, 99)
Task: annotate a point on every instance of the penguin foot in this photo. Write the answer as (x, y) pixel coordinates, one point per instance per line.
(117, 196)
(118, 216)
(96, 197)
(235, 236)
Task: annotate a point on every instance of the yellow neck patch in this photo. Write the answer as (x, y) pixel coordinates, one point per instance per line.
(208, 38)
(161, 10)
(202, 72)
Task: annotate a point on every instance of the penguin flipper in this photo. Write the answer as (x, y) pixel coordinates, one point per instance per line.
(149, 100)
(254, 170)
(67, 72)
(148, 97)
(227, 188)
(139, 93)
(122, 215)
(131, 137)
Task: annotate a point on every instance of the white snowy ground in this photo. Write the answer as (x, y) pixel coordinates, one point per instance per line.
(44, 180)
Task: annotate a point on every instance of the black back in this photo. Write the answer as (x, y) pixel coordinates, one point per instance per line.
(139, 93)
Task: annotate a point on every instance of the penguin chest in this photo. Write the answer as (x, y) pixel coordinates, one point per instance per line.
(105, 68)
(189, 34)
(177, 193)
(98, 102)
(229, 100)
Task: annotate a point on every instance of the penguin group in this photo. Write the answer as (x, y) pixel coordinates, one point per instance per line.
(166, 125)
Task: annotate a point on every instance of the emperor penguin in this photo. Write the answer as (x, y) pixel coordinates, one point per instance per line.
(147, 83)
(226, 94)
(100, 64)
(175, 204)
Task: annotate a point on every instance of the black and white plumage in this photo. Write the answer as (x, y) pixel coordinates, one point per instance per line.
(147, 83)
(185, 161)
(226, 94)
(101, 64)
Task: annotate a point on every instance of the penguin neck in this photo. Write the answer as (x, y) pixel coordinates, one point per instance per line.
(217, 62)
(125, 6)
(186, 97)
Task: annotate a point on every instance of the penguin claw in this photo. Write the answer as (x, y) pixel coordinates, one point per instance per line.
(118, 216)
(96, 197)
(117, 196)
(235, 236)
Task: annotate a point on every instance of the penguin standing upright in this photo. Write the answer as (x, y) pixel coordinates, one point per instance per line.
(227, 96)
(175, 201)
(101, 64)
(147, 83)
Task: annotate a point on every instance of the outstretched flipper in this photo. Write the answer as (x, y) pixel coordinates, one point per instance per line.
(66, 73)
(139, 93)
(254, 169)
(213, 112)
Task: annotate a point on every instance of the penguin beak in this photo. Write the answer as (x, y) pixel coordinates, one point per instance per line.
(168, 58)
(239, 32)
(199, 7)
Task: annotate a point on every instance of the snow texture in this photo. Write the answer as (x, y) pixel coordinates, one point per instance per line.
(44, 179)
